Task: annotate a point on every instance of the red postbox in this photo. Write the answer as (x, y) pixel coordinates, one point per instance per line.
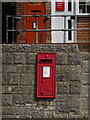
(46, 75)
(35, 8)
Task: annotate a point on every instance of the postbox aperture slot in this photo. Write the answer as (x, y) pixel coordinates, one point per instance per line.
(35, 11)
(46, 61)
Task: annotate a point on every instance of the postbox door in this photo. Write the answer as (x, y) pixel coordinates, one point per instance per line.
(46, 81)
(33, 23)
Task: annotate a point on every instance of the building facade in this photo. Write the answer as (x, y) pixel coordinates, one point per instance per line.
(56, 7)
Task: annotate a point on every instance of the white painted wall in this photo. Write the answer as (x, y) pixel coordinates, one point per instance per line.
(58, 22)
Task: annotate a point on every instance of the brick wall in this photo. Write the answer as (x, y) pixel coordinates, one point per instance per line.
(84, 35)
(48, 22)
(21, 23)
(19, 82)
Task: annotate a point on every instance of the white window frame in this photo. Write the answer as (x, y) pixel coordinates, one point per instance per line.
(85, 8)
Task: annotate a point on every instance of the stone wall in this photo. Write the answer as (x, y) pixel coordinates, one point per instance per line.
(19, 82)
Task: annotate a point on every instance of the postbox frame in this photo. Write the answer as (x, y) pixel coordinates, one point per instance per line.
(53, 65)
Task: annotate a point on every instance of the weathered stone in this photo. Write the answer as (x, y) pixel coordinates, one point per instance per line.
(5, 80)
(27, 79)
(49, 114)
(7, 58)
(64, 69)
(68, 77)
(61, 116)
(37, 114)
(61, 77)
(73, 48)
(63, 98)
(23, 111)
(10, 110)
(14, 79)
(6, 48)
(86, 66)
(23, 89)
(62, 88)
(62, 107)
(31, 58)
(84, 91)
(26, 69)
(6, 100)
(43, 48)
(85, 56)
(74, 87)
(74, 59)
(9, 68)
(16, 48)
(6, 89)
(19, 58)
(67, 107)
(20, 99)
(74, 106)
(61, 58)
(84, 104)
(85, 78)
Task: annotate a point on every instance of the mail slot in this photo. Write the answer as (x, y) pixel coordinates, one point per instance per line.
(46, 75)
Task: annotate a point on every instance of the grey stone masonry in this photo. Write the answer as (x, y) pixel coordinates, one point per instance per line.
(19, 71)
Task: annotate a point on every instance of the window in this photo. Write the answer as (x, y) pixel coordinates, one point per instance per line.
(84, 7)
(69, 5)
(69, 32)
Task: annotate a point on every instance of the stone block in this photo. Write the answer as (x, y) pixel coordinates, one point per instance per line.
(74, 87)
(74, 106)
(6, 48)
(14, 79)
(86, 66)
(9, 69)
(43, 48)
(37, 113)
(23, 111)
(84, 103)
(49, 114)
(6, 89)
(6, 100)
(61, 59)
(5, 80)
(27, 79)
(84, 91)
(85, 78)
(10, 110)
(61, 116)
(74, 59)
(68, 76)
(26, 69)
(68, 69)
(22, 89)
(62, 88)
(22, 99)
(31, 58)
(85, 56)
(19, 58)
(62, 98)
(73, 48)
(62, 107)
(16, 48)
(7, 58)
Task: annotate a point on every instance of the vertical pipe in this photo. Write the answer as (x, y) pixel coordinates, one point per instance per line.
(64, 28)
(36, 29)
(13, 29)
(6, 29)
